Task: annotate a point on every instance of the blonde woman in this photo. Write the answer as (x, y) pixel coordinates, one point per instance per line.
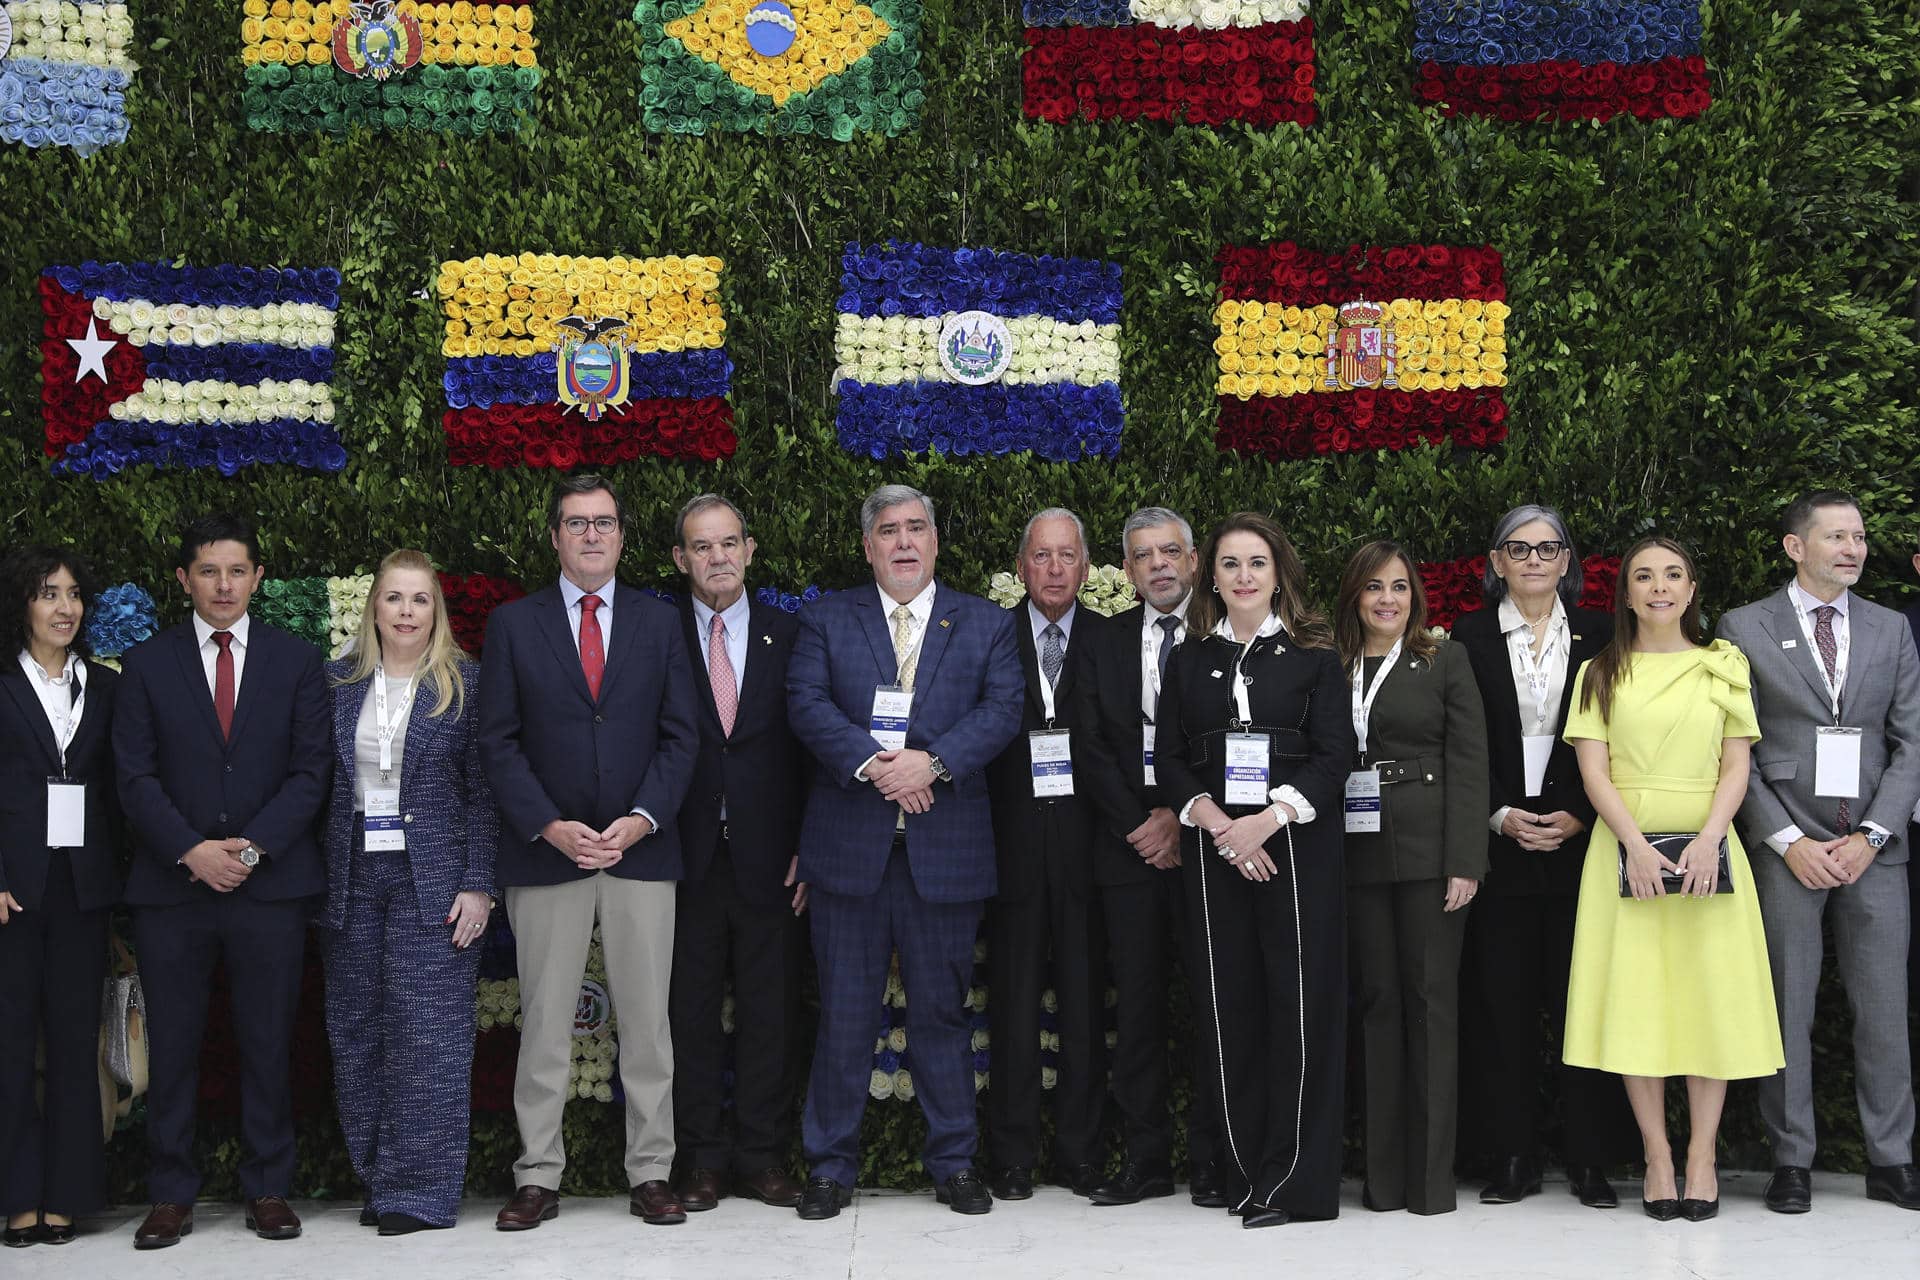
(410, 842)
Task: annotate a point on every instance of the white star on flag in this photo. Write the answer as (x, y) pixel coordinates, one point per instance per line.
(92, 351)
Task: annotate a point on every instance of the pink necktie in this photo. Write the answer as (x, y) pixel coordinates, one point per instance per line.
(726, 699)
(223, 683)
(593, 652)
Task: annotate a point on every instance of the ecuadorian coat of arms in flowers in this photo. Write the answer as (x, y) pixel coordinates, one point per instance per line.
(827, 68)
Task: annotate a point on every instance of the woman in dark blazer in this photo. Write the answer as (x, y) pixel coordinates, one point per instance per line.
(403, 916)
(1416, 852)
(1526, 645)
(1257, 677)
(55, 719)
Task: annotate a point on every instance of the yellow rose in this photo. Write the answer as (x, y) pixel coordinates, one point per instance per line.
(1497, 311)
(319, 54)
(525, 58)
(1227, 312)
(1493, 342)
(1493, 360)
(485, 57)
(282, 8)
(1303, 383)
(1252, 309)
(1229, 362)
(255, 8)
(1451, 382)
(252, 30)
(1473, 330)
(462, 12)
(1289, 363)
(1224, 345)
(1495, 328)
(523, 17)
(1470, 378)
(273, 51)
(250, 54)
(1401, 309)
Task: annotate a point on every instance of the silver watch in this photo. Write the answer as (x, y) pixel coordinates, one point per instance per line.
(1876, 840)
(249, 857)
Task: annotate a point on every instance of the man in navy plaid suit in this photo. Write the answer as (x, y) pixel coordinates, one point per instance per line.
(903, 693)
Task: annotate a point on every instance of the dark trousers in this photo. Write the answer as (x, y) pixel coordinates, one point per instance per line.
(264, 945)
(1050, 931)
(1273, 997)
(1139, 948)
(1517, 955)
(400, 1017)
(53, 961)
(853, 941)
(716, 932)
(1204, 1145)
(1406, 956)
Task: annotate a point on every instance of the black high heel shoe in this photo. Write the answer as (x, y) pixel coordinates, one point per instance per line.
(1661, 1210)
(1700, 1210)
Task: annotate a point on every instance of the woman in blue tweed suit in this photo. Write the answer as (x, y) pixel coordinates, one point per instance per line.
(410, 837)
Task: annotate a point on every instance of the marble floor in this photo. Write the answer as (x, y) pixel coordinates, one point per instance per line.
(887, 1235)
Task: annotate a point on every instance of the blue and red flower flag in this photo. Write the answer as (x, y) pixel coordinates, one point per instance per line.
(1527, 60)
(1200, 62)
(184, 367)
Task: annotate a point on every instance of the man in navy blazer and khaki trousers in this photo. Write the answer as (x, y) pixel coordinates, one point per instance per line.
(221, 741)
(897, 844)
(587, 736)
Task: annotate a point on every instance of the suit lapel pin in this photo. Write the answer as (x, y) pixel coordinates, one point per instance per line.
(1216, 675)
(1789, 644)
(766, 639)
(945, 623)
(1579, 637)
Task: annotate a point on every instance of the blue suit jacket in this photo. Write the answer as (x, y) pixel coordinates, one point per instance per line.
(966, 709)
(551, 750)
(180, 783)
(446, 805)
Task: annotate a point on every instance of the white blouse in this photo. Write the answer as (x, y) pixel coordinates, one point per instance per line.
(366, 740)
(1538, 685)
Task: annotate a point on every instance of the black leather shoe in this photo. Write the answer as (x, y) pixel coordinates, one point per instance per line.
(368, 1218)
(1015, 1182)
(21, 1237)
(1203, 1187)
(1258, 1215)
(57, 1233)
(1700, 1210)
(1592, 1187)
(1790, 1189)
(823, 1198)
(1661, 1210)
(1134, 1183)
(1080, 1179)
(404, 1224)
(1518, 1178)
(964, 1192)
(1898, 1183)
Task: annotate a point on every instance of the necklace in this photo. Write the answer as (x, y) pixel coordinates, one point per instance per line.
(1534, 623)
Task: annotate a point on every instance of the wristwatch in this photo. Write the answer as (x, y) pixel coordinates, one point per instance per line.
(1876, 840)
(249, 857)
(939, 770)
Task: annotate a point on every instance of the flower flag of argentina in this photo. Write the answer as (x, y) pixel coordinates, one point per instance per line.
(970, 351)
(187, 367)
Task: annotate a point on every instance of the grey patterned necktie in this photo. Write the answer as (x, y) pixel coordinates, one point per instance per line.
(1052, 655)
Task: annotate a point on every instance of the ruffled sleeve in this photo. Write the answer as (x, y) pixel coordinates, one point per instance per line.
(1731, 688)
(1584, 722)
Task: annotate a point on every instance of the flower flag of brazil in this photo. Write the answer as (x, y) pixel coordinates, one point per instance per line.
(827, 68)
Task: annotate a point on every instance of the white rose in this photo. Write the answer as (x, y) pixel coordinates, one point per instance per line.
(880, 1084)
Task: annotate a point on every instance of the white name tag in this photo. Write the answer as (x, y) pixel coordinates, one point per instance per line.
(1051, 753)
(1536, 749)
(385, 832)
(888, 724)
(1146, 756)
(1836, 763)
(1362, 803)
(66, 813)
(1247, 768)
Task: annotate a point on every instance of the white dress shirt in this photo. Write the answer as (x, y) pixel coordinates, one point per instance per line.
(571, 594)
(366, 739)
(1150, 634)
(1804, 603)
(921, 607)
(1539, 713)
(210, 652)
(58, 696)
(1284, 793)
(735, 622)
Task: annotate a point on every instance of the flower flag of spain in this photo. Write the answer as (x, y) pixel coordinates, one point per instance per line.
(1374, 347)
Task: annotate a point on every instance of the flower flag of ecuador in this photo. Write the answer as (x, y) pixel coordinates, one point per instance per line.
(1375, 347)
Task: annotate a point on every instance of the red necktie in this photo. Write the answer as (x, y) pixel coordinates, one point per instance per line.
(593, 652)
(223, 683)
(726, 699)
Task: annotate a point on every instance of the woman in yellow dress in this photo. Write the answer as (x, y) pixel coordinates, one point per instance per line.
(1672, 980)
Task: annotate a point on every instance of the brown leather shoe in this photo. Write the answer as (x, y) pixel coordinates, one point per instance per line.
(529, 1207)
(164, 1226)
(770, 1186)
(272, 1218)
(654, 1202)
(698, 1190)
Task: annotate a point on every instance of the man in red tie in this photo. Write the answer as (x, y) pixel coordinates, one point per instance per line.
(587, 736)
(739, 899)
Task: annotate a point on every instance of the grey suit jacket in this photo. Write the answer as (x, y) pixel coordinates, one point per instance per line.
(1882, 697)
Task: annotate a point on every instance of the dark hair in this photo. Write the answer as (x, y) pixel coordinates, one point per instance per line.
(1368, 563)
(23, 572)
(585, 482)
(1608, 670)
(1303, 622)
(220, 526)
(1798, 517)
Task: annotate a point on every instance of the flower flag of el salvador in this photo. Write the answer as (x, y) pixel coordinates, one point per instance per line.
(188, 367)
(969, 351)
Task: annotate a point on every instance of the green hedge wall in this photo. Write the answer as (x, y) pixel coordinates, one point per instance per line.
(1707, 316)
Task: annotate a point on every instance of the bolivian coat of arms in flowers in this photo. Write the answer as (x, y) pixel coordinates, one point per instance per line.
(374, 41)
(1361, 348)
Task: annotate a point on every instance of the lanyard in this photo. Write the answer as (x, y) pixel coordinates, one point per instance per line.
(1538, 672)
(1363, 701)
(1150, 662)
(1242, 703)
(388, 727)
(1843, 651)
(63, 736)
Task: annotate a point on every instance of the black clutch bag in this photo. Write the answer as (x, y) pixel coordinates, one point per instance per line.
(1670, 845)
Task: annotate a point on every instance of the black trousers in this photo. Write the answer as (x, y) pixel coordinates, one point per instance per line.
(1514, 981)
(264, 946)
(718, 932)
(1189, 944)
(53, 961)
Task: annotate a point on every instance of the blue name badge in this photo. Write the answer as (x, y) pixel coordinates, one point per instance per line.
(892, 706)
(1051, 754)
(385, 828)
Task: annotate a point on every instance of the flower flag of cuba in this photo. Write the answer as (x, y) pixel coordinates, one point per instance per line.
(1528, 60)
(188, 367)
(969, 351)
(64, 71)
(1200, 62)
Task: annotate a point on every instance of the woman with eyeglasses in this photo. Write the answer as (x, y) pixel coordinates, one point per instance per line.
(1525, 646)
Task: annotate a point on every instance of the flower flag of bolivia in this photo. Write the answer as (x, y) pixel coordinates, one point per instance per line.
(1373, 347)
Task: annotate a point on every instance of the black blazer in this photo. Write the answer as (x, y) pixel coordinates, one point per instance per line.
(1034, 839)
(1513, 871)
(758, 770)
(1107, 746)
(28, 757)
(181, 783)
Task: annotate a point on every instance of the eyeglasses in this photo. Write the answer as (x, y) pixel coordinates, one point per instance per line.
(578, 525)
(1518, 551)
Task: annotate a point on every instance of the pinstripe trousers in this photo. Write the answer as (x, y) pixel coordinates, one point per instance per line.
(400, 1016)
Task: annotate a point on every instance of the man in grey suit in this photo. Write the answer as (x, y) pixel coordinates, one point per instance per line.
(1836, 681)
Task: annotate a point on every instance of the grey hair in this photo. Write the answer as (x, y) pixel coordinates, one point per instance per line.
(1151, 517)
(1053, 513)
(705, 502)
(892, 495)
(1572, 584)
